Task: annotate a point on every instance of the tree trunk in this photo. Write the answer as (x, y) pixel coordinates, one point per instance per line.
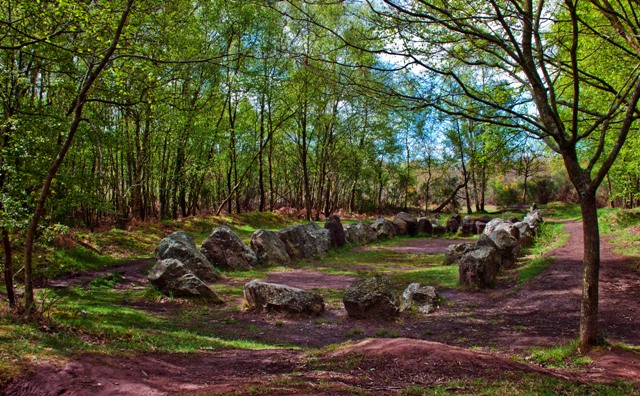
(8, 268)
(591, 270)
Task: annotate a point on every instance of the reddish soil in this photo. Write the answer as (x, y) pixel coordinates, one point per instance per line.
(419, 246)
(508, 320)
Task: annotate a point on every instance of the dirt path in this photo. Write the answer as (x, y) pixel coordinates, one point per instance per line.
(508, 319)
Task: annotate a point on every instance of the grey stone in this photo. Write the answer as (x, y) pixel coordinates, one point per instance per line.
(359, 234)
(371, 298)
(526, 234)
(225, 249)
(468, 226)
(453, 225)
(269, 248)
(305, 241)
(488, 229)
(181, 247)
(424, 225)
(454, 252)
(383, 228)
(336, 231)
(173, 278)
(480, 227)
(479, 268)
(273, 297)
(507, 247)
(411, 222)
(425, 296)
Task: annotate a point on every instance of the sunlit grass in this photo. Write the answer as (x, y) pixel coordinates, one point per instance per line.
(551, 236)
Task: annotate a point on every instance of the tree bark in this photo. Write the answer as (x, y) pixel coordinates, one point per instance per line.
(8, 268)
(590, 272)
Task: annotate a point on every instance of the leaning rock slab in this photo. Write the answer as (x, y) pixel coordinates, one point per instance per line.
(479, 268)
(173, 278)
(181, 247)
(269, 248)
(305, 241)
(273, 297)
(507, 247)
(225, 249)
(371, 298)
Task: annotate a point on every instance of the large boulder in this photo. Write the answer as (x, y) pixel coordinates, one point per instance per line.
(272, 297)
(269, 248)
(181, 247)
(510, 228)
(453, 225)
(425, 296)
(371, 298)
(410, 222)
(424, 225)
(453, 253)
(526, 234)
(359, 234)
(534, 219)
(336, 231)
(173, 278)
(439, 229)
(225, 249)
(488, 229)
(305, 241)
(480, 227)
(384, 229)
(479, 268)
(507, 247)
(468, 226)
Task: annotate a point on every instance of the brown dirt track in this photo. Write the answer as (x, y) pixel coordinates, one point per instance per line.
(508, 320)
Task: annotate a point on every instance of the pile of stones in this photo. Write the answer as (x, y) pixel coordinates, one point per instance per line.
(497, 247)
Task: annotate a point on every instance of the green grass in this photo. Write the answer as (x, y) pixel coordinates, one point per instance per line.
(551, 236)
(561, 211)
(623, 225)
(523, 384)
(76, 259)
(445, 276)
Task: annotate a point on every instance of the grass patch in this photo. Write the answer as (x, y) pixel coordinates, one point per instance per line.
(551, 236)
(558, 356)
(444, 275)
(527, 384)
(562, 211)
(623, 225)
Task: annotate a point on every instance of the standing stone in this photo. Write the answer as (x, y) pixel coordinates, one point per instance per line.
(305, 241)
(181, 247)
(269, 248)
(479, 268)
(454, 252)
(411, 223)
(424, 225)
(273, 297)
(383, 228)
(359, 234)
(480, 227)
(225, 249)
(507, 247)
(452, 225)
(526, 234)
(336, 231)
(492, 225)
(468, 226)
(173, 278)
(371, 298)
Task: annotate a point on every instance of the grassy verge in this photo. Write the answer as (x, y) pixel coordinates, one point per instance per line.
(623, 226)
(551, 236)
(528, 384)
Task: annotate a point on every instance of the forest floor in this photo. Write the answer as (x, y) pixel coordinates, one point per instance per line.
(519, 337)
